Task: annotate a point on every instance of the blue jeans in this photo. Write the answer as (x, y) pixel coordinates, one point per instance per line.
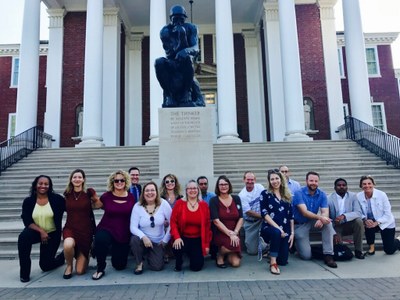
(278, 246)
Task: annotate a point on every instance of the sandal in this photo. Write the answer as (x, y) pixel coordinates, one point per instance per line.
(274, 269)
(139, 269)
(98, 275)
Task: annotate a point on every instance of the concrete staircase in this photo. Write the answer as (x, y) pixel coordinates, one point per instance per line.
(332, 159)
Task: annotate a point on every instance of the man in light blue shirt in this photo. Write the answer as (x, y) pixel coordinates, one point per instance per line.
(307, 203)
(202, 181)
(292, 184)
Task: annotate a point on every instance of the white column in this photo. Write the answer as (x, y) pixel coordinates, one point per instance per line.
(52, 117)
(111, 78)
(291, 72)
(277, 124)
(331, 62)
(227, 131)
(255, 99)
(357, 72)
(133, 100)
(28, 80)
(157, 21)
(92, 96)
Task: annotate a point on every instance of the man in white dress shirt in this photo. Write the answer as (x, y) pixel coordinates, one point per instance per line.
(346, 214)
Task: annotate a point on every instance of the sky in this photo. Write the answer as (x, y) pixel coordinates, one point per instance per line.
(377, 16)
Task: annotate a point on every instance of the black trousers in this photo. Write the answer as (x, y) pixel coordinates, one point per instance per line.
(390, 244)
(103, 240)
(47, 260)
(192, 248)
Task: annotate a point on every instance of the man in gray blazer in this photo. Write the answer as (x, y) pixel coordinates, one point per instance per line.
(345, 211)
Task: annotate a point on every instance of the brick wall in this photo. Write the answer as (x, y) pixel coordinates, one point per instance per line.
(241, 87)
(73, 74)
(382, 89)
(8, 96)
(312, 65)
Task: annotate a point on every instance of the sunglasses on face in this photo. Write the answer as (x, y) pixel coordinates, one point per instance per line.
(119, 180)
(152, 222)
(169, 181)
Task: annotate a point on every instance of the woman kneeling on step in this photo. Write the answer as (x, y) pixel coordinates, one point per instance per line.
(113, 229)
(277, 228)
(149, 235)
(191, 228)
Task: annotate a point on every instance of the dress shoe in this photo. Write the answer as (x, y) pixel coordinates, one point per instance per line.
(329, 261)
(23, 279)
(358, 254)
(369, 253)
(221, 266)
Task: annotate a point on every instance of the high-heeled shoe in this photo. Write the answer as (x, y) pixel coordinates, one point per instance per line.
(67, 276)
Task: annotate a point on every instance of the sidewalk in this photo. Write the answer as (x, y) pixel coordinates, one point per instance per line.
(378, 266)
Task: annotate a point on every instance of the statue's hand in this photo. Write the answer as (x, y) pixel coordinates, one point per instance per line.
(181, 55)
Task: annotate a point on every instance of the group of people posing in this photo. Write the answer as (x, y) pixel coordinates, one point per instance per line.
(157, 223)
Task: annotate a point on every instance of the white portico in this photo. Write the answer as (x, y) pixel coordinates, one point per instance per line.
(274, 90)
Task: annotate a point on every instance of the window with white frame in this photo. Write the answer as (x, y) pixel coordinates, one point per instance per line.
(11, 125)
(15, 72)
(341, 65)
(378, 115)
(345, 110)
(372, 61)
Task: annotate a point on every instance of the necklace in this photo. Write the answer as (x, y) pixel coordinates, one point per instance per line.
(77, 197)
(150, 213)
(192, 205)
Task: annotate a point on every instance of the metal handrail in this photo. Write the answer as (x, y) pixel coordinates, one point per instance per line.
(18, 147)
(381, 143)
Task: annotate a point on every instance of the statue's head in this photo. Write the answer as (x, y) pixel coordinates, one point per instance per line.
(177, 12)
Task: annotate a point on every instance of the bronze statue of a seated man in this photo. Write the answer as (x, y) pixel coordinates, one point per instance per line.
(175, 72)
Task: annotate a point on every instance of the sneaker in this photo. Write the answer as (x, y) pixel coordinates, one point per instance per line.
(329, 261)
(260, 248)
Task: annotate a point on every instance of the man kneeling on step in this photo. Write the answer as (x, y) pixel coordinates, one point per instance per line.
(346, 213)
(307, 202)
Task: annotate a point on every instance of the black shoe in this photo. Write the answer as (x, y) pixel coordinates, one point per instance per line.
(221, 266)
(369, 253)
(358, 254)
(177, 269)
(329, 261)
(67, 276)
(23, 279)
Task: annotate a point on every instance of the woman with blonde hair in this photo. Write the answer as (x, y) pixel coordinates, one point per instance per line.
(113, 229)
(149, 236)
(80, 225)
(170, 189)
(278, 224)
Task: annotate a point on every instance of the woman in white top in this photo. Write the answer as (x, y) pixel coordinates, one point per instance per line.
(148, 231)
(377, 216)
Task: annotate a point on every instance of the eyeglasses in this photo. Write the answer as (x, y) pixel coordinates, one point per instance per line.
(223, 184)
(152, 222)
(192, 188)
(119, 180)
(169, 181)
(284, 171)
(203, 183)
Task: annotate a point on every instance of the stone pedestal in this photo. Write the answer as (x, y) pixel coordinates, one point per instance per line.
(186, 142)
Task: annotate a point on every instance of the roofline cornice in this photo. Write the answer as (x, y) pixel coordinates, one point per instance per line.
(378, 38)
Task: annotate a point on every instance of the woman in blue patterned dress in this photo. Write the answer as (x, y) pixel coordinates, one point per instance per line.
(278, 225)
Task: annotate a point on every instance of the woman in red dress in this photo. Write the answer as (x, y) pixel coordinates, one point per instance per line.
(227, 216)
(80, 225)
